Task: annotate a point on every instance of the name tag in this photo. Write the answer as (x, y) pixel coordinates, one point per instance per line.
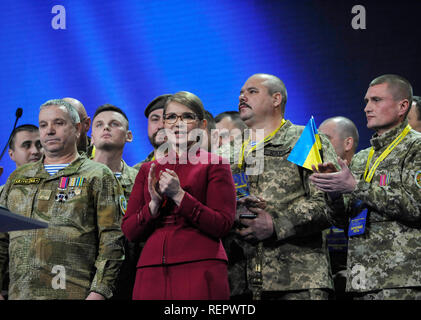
(357, 224)
(276, 153)
(27, 181)
(241, 185)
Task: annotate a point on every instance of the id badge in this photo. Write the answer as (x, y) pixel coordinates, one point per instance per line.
(357, 224)
(241, 185)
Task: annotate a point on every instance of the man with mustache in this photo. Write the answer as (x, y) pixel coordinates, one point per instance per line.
(78, 256)
(280, 247)
(154, 113)
(383, 199)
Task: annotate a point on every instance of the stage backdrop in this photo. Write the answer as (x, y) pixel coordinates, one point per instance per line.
(128, 52)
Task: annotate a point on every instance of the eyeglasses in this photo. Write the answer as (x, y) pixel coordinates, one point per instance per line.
(186, 117)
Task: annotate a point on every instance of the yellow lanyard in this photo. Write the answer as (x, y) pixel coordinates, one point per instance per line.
(245, 144)
(383, 155)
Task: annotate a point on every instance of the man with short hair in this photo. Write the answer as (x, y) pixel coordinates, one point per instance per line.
(229, 120)
(414, 115)
(343, 134)
(24, 147)
(280, 221)
(383, 199)
(110, 133)
(78, 256)
(154, 113)
(211, 132)
(84, 142)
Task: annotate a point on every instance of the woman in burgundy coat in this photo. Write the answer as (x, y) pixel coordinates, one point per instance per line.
(182, 204)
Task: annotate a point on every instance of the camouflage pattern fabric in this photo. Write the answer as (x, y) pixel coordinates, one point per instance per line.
(295, 258)
(388, 254)
(391, 294)
(310, 294)
(128, 176)
(127, 274)
(83, 240)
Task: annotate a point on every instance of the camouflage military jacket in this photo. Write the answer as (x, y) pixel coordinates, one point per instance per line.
(296, 258)
(125, 282)
(81, 250)
(128, 176)
(148, 158)
(388, 254)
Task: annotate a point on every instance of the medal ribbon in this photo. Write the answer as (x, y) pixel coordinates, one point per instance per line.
(385, 153)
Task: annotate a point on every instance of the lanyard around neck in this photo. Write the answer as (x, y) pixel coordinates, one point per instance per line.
(385, 153)
(246, 143)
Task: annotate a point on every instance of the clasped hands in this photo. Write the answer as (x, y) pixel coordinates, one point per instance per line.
(328, 179)
(260, 227)
(167, 184)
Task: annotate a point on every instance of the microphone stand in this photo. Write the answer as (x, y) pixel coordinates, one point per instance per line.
(19, 112)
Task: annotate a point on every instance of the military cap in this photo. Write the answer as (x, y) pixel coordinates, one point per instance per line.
(156, 103)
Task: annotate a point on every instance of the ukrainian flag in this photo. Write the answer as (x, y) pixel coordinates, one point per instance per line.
(306, 151)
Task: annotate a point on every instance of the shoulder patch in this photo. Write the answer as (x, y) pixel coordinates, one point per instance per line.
(123, 204)
(418, 178)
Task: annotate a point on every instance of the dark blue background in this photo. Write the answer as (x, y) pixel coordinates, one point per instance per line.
(128, 52)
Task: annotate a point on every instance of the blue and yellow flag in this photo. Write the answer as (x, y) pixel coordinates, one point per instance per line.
(306, 151)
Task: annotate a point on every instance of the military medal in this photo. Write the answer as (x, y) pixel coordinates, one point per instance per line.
(61, 197)
(64, 181)
(384, 180)
(71, 194)
(62, 185)
(75, 184)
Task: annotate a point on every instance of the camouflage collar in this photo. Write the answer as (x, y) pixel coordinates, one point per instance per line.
(125, 175)
(379, 142)
(280, 138)
(38, 169)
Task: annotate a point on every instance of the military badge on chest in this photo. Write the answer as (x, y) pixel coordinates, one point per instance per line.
(384, 180)
(74, 185)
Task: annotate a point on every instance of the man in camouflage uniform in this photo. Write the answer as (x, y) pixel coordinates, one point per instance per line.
(383, 257)
(154, 113)
(282, 248)
(110, 132)
(343, 134)
(79, 255)
(24, 147)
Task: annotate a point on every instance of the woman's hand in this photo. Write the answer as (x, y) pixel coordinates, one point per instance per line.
(156, 197)
(169, 184)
